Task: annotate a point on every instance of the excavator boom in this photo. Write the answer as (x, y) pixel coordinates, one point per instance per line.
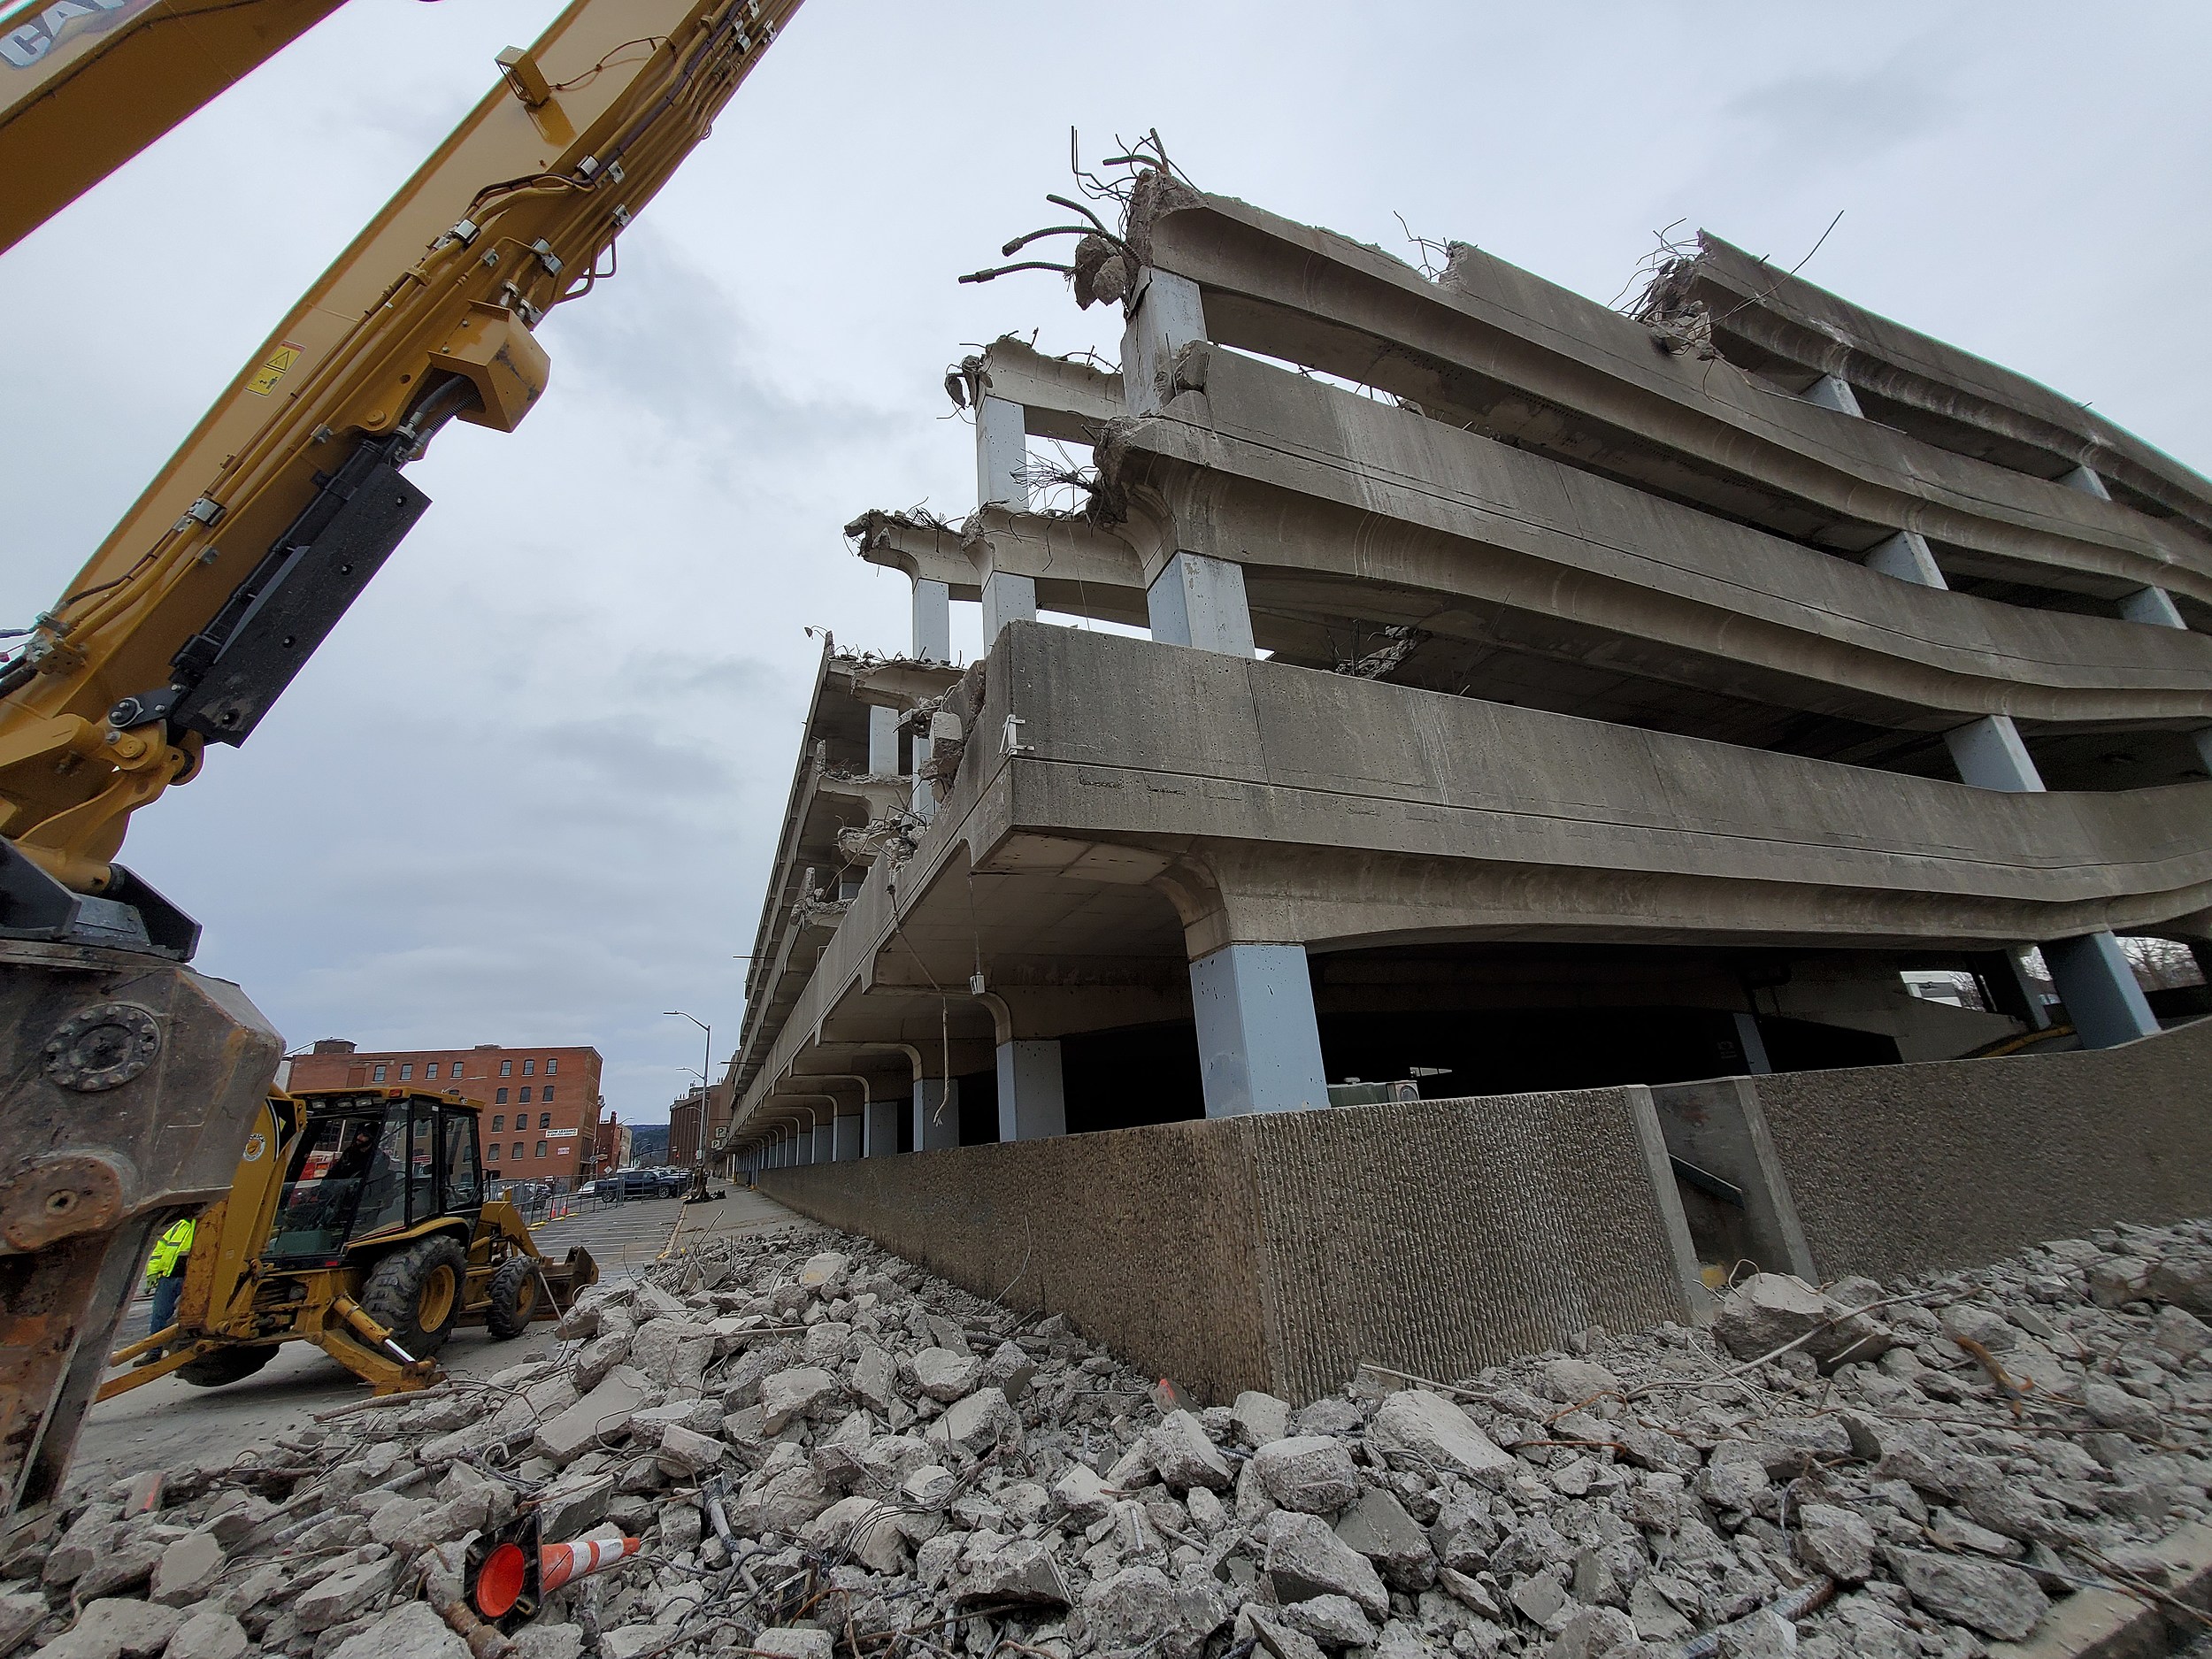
(85, 85)
(131, 1082)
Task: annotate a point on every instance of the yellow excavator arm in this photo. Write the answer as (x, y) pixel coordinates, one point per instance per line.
(245, 550)
(85, 85)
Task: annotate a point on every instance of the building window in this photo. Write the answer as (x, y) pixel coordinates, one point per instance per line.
(506, 1068)
(525, 1094)
(499, 1123)
(517, 1151)
(552, 1064)
(406, 1072)
(540, 1148)
(545, 1120)
(430, 1073)
(528, 1067)
(499, 1098)
(380, 1073)
(547, 1092)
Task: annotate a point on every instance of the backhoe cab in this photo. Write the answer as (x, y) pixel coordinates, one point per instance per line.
(356, 1222)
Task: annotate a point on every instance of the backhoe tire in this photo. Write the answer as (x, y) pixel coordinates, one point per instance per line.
(516, 1296)
(415, 1294)
(225, 1365)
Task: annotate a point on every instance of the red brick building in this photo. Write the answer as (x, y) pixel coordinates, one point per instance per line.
(542, 1105)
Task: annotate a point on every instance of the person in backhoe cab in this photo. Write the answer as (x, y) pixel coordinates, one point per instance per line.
(165, 1276)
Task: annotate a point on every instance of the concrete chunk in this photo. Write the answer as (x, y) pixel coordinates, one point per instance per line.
(793, 1394)
(944, 1375)
(1306, 1559)
(1311, 1474)
(606, 1411)
(1186, 1456)
(209, 1633)
(116, 1629)
(346, 1594)
(1260, 1417)
(1431, 1428)
(187, 1570)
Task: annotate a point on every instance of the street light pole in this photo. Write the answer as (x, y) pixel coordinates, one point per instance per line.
(706, 1069)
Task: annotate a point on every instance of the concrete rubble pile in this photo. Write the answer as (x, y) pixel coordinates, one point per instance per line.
(1885, 1471)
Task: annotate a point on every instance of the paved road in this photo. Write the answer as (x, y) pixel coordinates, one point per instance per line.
(169, 1422)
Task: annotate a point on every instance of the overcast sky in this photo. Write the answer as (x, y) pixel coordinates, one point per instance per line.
(529, 792)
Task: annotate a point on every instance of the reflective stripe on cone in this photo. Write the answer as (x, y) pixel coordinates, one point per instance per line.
(564, 1564)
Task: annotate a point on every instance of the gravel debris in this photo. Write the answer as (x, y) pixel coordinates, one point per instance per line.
(827, 1452)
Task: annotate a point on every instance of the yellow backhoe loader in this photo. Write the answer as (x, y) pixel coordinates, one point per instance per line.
(357, 1222)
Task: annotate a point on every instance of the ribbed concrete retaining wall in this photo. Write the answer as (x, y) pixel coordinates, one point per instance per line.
(1953, 1163)
(1280, 1251)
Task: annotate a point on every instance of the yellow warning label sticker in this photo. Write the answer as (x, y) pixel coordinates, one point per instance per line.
(265, 378)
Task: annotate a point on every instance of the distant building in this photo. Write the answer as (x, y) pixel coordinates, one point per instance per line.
(542, 1105)
(685, 1123)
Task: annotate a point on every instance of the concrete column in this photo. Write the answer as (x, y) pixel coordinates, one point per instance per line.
(2086, 482)
(1989, 755)
(879, 1129)
(2091, 973)
(802, 1147)
(924, 802)
(2099, 987)
(1006, 598)
(845, 1138)
(1170, 315)
(933, 621)
(935, 1128)
(1031, 1096)
(1906, 556)
(2202, 738)
(1830, 393)
(1002, 454)
(1259, 1046)
(825, 1141)
(1200, 601)
(2153, 605)
(1748, 1038)
(883, 742)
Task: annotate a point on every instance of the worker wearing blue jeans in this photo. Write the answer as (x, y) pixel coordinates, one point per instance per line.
(165, 1276)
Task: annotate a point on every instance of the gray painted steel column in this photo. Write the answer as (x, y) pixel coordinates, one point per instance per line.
(1200, 601)
(845, 1138)
(1006, 598)
(936, 1113)
(1002, 454)
(1259, 1046)
(1170, 315)
(1989, 755)
(2099, 987)
(1830, 393)
(2153, 605)
(1753, 1045)
(880, 1130)
(883, 742)
(1031, 1093)
(1906, 556)
(933, 621)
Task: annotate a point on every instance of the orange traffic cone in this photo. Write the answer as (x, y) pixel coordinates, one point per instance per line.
(564, 1564)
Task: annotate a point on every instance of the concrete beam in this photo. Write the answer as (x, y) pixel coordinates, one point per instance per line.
(1060, 397)
(1259, 1046)
(1492, 344)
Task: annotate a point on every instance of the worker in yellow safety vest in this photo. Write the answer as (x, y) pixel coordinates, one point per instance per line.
(164, 1275)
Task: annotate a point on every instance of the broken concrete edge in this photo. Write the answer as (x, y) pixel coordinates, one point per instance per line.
(2123, 1625)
